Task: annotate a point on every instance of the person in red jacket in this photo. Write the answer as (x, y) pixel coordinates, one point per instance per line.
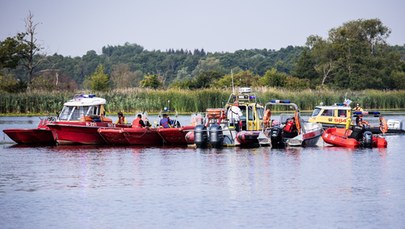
(138, 122)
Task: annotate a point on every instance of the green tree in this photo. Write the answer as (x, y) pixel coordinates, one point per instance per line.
(273, 78)
(151, 81)
(98, 81)
(240, 79)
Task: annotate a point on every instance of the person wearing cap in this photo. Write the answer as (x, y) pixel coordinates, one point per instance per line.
(165, 122)
(121, 118)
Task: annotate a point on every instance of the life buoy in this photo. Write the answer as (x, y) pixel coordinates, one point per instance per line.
(297, 122)
(383, 125)
(266, 118)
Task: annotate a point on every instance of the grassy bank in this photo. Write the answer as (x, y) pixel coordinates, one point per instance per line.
(185, 101)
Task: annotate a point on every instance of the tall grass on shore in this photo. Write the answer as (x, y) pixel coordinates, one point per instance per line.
(184, 101)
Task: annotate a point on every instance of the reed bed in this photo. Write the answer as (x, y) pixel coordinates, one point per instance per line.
(187, 101)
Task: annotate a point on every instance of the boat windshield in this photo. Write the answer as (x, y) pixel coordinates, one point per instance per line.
(316, 112)
(76, 112)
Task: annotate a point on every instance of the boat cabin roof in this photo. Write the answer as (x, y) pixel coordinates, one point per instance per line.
(334, 107)
(85, 100)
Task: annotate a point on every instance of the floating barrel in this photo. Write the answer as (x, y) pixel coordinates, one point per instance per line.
(216, 136)
(200, 136)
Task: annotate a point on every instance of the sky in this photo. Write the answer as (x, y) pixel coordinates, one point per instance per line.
(71, 28)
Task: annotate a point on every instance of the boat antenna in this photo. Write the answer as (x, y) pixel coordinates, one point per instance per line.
(233, 86)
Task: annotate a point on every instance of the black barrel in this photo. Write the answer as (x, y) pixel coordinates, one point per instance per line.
(216, 136)
(200, 136)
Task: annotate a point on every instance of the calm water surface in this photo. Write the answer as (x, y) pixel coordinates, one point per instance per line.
(135, 187)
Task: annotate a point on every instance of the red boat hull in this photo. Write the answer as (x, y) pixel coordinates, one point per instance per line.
(78, 132)
(142, 136)
(113, 136)
(175, 136)
(246, 138)
(340, 137)
(40, 136)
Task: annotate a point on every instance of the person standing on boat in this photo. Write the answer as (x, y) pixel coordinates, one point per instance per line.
(233, 115)
(121, 118)
(138, 122)
(358, 108)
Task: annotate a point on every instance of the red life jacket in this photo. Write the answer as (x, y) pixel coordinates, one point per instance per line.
(289, 126)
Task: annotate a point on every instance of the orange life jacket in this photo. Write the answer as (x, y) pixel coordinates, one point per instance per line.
(137, 123)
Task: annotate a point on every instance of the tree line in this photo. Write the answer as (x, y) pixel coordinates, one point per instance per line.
(354, 56)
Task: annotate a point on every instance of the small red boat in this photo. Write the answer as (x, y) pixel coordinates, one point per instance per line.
(247, 138)
(41, 135)
(352, 138)
(113, 136)
(79, 121)
(175, 136)
(142, 136)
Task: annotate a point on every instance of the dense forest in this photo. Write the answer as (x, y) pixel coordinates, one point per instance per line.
(354, 56)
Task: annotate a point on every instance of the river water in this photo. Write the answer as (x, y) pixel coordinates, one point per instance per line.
(172, 187)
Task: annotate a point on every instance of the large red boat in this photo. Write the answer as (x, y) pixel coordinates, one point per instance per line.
(353, 138)
(79, 121)
(41, 135)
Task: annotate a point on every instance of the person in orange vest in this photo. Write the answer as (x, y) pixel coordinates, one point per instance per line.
(121, 118)
(138, 122)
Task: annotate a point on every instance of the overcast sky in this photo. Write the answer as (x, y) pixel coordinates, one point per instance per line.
(73, 27)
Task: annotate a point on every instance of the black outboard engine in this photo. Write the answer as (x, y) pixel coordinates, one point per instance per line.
(200, 136)
(367, 139)
(216, 136)
(276, 137)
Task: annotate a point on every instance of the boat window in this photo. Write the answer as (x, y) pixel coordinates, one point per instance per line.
(316, 112)
(93, 110)
(79, 112)
(327, 112)
(250, 113)
(64, 114)
(341, 113)
(260, 112)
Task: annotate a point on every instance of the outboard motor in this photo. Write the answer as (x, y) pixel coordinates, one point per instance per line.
(200, 136)
(367, 139)
(276, 137)
(216, 136)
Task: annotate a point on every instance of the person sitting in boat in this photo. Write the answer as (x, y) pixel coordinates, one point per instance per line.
(146, 121)
(121, 118)
(165, 122)
(360, 122)
(358, 108)
(138, 122)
